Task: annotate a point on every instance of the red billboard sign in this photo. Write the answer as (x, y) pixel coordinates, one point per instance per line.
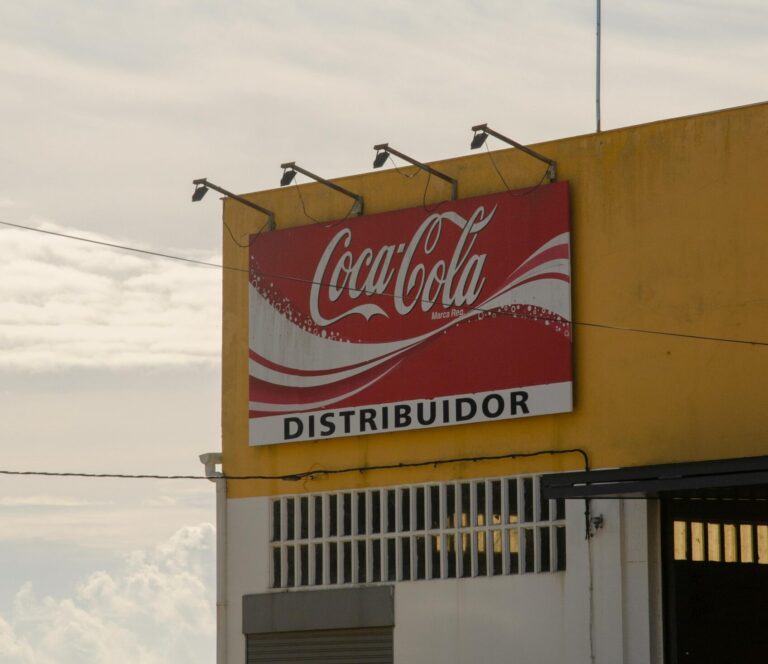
(411, 319)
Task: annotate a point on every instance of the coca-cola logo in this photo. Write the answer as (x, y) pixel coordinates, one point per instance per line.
(414, 273)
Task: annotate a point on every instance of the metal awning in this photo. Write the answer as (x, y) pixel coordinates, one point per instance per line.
(745, 477)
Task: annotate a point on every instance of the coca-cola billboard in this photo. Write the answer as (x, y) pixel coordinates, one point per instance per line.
(411, 319)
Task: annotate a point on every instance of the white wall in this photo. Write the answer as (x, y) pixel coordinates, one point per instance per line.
(526, 619)
(506, 619)
(247, 565)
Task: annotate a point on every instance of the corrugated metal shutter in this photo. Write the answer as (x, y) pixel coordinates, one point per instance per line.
(361, 646)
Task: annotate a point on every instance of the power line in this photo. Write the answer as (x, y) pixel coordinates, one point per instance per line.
(605, 326)
(286, 277)
(312, 282)
(309, 474)
(123, 247)
(681, 335)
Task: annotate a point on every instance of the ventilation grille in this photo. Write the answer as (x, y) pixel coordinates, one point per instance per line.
(426, 531)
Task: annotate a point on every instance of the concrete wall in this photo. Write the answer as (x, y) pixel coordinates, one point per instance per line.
(526, 619)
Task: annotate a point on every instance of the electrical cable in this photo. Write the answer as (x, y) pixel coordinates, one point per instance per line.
(426, 186)
(286, 277)
(605, 326)
(424, 205)
(234, 239)
(401, 171)
(115, 246)
(303, 206)
(524, 192)
(325, 224)
(251, 238)
(424, 196)
(310, 474)
(590, 588)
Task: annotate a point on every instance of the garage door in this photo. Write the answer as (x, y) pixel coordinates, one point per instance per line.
(363, 646)
(716, 581)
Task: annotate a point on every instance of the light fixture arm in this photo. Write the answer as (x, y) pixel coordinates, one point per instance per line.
(358, 207)
(551, 171)
(452, 181)
(204, 182)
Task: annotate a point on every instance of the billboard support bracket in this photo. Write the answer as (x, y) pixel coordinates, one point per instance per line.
(384, 149)
(202, 185)
(483, 131)
(289, 172)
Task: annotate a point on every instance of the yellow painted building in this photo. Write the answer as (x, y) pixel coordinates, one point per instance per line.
(670, 343)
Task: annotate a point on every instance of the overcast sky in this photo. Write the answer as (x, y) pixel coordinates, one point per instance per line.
(109, 361)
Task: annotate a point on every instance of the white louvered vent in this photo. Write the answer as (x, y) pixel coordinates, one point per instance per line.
(443, 530)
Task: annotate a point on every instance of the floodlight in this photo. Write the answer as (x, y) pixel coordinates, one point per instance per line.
(199, 192)
(381, 159)
(478, 139)
(287, 178)
(202, 186)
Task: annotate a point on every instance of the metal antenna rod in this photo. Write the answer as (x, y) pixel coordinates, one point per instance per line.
(597, 73)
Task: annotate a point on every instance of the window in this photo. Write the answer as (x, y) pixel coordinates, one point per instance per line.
(715, 542)
(446, 530)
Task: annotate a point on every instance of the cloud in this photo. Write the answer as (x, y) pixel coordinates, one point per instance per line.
(161, 501)
(107, 519)
(71, 304)
(43, 501)
(230, 90)
(158, 609)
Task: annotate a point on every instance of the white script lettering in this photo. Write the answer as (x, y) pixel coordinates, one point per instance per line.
(457, 282)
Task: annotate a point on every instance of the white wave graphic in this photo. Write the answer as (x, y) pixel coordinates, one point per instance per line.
(298, 407)
(563, 238)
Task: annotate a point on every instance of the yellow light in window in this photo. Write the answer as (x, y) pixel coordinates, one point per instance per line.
(762, 545)
(481, 542)
(713, 542)
(514, 541)
(681, 548)
(697, 540)
(496, 541)
(729, 542)
(747, 550)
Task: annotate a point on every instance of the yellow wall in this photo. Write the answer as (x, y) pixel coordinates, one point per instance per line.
(670, 232)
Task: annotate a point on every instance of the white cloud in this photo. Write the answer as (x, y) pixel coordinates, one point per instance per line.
(161, 501)
(159, 609)
(43, 501)
(12, 648)
(103, 520)
(72, 304)
(231, 90)
(116, 107)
